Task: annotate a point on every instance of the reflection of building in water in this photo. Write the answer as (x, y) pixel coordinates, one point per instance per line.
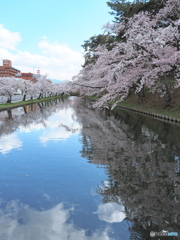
(29, 116)
(17, 112)
(32, 107)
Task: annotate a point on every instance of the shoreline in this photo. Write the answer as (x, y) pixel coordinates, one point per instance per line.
(152, 112)
(153, 115)
(25, 103)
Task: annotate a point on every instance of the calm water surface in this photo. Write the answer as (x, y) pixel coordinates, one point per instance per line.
(68, 172)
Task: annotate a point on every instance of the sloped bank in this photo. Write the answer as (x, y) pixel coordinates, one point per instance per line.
(152, 107)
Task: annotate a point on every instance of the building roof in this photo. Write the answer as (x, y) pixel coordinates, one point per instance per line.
(16, 69)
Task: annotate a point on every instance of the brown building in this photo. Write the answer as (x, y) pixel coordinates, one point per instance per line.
(27, 76)
(7, 70)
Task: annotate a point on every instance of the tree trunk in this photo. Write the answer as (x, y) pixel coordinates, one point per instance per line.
(167, 99)
(24, 98)
(25, 111)
(40, 107)
(141, 95)
(9, 114)
(39, 96)
(167, 96)
(9, 99)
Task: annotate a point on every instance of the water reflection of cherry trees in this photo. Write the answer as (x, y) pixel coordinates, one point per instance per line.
(139, 154)
(45, 115)
(12, 119)
(141, 157)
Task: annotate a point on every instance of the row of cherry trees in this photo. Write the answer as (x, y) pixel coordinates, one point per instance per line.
(147, 57)
(9, 86)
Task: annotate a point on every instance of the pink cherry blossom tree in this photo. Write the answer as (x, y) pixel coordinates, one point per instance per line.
(9, 86)
(26, 87)
(147, 57)
(43, 86)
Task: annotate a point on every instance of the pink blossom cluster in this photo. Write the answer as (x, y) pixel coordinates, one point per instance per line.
(149, 57)
(43, 88)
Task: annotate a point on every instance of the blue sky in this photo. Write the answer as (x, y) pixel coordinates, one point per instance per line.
(49, 33)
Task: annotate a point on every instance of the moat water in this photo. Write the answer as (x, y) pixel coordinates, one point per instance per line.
(69, 172)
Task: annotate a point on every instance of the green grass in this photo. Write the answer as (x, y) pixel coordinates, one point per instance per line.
(23, 103)
(175, 113)
(152, 104)
(93, 97)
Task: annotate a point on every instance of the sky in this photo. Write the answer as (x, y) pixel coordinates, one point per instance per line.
(48, 34)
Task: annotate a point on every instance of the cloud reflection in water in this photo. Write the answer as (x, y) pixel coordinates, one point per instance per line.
(9, 142)
(59, 126)
(18, 221)
(111, 212)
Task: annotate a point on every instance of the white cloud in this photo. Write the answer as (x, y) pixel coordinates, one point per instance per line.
(44, 37)
(8, 40)
(58, 61)
(55, 50)
(55, 59)
(31, 127)
(111, 212)
(8, 142)
(20, 222)
(59, 126)
(54, 135)
(5, 54)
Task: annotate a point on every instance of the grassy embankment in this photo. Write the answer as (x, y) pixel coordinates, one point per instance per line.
(153, 103)
(5, 106)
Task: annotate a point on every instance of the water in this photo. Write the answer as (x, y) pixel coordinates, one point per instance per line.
(69, 172)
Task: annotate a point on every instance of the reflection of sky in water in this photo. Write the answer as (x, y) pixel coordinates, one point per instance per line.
(111, 212)
(9, 142)
(59, 126)
(20, 222)
(48, 191)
